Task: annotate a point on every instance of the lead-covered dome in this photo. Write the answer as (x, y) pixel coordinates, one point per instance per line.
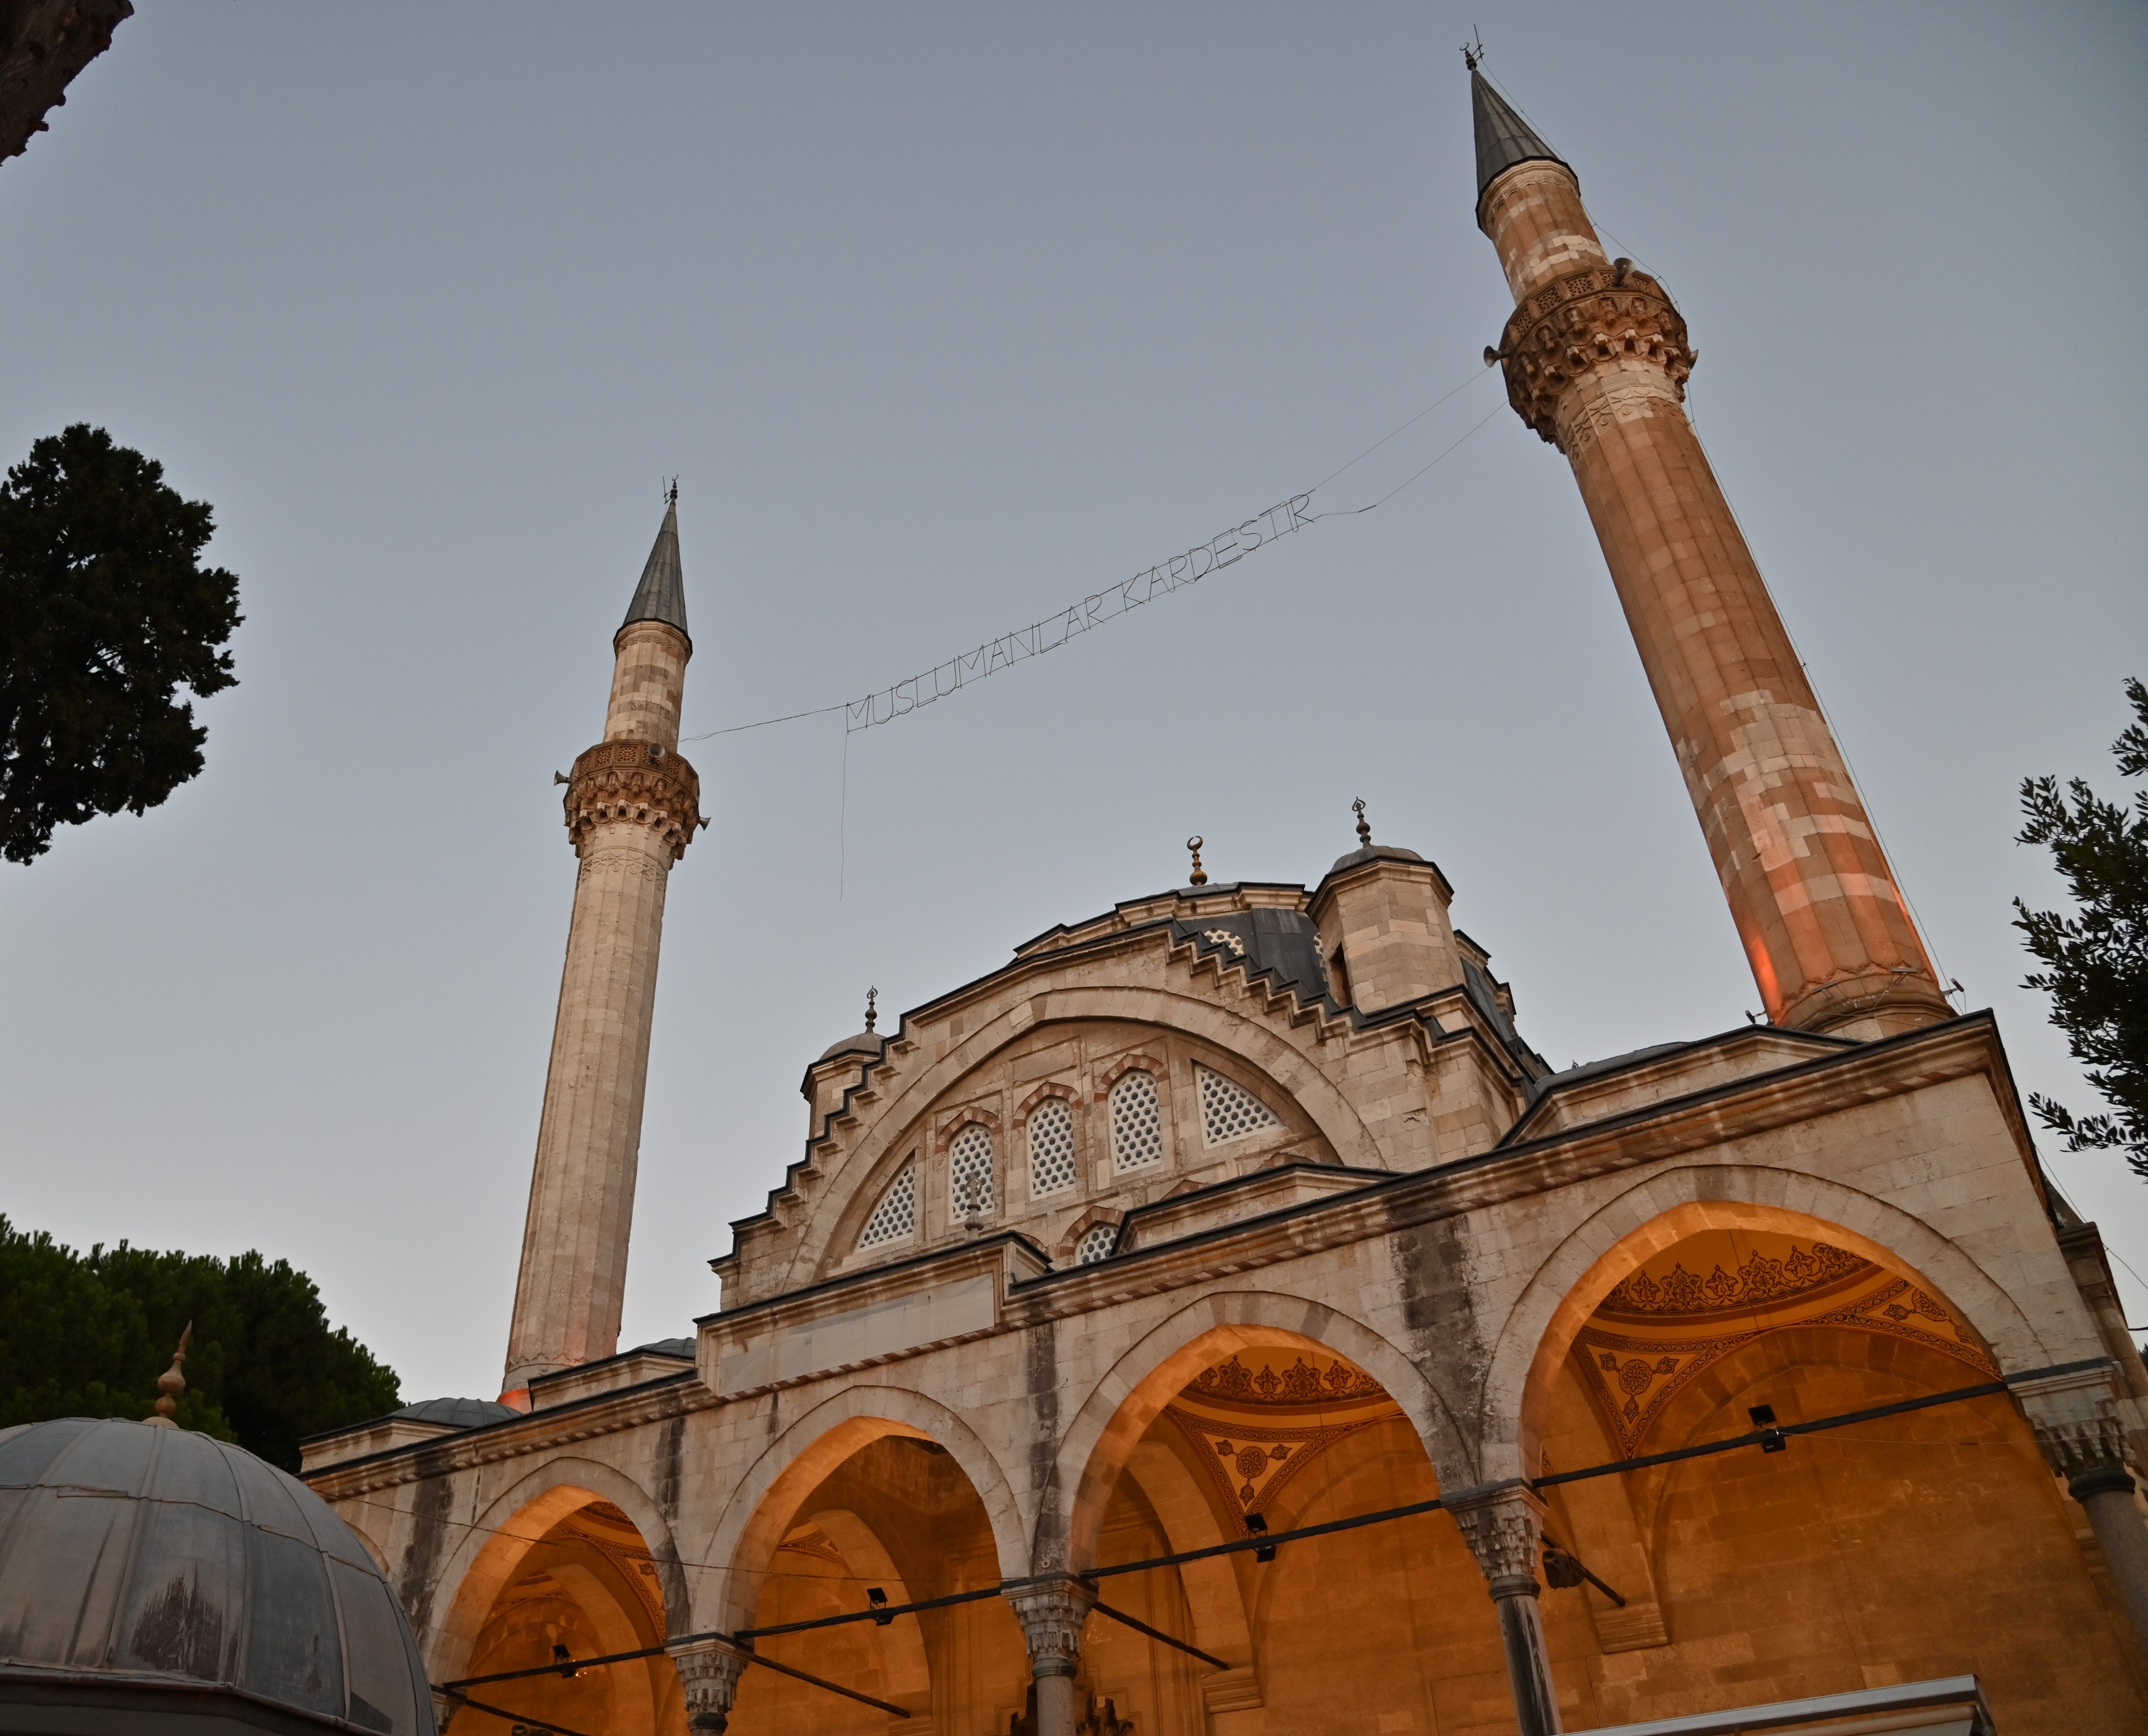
(152, 1575)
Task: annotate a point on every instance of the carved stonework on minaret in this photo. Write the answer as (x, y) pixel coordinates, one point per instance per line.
(1585, 323)
(633, 783)
(632, 806)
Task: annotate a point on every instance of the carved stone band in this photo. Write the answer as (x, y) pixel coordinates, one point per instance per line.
(1052, 1616)
(1579, 321)
(635, 783)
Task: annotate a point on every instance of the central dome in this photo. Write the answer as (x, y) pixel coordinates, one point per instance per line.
(159, 1579)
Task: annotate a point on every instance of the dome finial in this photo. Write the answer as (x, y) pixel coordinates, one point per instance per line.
(170, 1384)
(872, 1008)
(1199, 877)
(1364, 827)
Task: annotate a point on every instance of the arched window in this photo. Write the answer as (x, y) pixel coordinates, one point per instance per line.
(896, 1216)
(1051, 1148)
(1096, 1242)
(1136, 1122)
(1229, 1111)
(969, 1171)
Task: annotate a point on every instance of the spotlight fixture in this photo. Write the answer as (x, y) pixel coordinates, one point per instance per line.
(565, 1659)
(876, 1599)
(1257, 1526)
(1772, 1438)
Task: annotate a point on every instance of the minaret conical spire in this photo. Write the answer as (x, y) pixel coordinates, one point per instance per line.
(661, 595)
(1504, 138)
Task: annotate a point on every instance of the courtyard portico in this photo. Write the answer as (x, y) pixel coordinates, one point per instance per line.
(972, 1418)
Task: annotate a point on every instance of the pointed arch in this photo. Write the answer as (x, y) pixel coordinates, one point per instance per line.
(1120, 1408)
(762, 1505)
(858, 1163)
(489, 1553)
(1674, 1203)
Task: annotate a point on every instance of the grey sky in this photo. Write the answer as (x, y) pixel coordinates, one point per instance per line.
(944, 316)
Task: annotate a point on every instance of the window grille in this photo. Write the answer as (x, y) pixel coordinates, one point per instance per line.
(969, 1171)
(1136, 1122)
(1051, 1148)
(896, 1216)
(1229, 1111)
(1096, 1244)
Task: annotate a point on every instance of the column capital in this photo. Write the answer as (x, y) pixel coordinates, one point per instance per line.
(634, 783)
(1503, 1526)
(1051, 1612)
(2078, 1427)
(709, 1671)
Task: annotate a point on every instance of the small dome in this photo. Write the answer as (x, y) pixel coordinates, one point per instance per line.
(458, 1413)
(1374, 853)
(195, 1585)
(864, 1043)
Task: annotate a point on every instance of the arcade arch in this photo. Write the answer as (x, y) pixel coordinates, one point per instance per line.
(859, 1504)
(1614, 1242)
(566, 1574)
(1125, 1404)
(492, 1550)
(1715, 1318)
(1245, 1413)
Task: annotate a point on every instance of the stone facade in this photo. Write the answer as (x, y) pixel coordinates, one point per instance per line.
(1220, 1320)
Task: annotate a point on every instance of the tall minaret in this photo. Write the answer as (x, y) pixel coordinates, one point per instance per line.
(632, 808)
(1596, 360)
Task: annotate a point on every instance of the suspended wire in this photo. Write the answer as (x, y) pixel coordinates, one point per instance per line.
(1452, 391)
(817, 711)
(1400, 486)
(1475, 375)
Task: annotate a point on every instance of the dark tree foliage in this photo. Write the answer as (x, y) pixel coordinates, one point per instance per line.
(2096, 962)
(105, 612)
(87, 1335)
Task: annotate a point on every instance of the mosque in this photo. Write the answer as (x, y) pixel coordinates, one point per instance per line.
(1219, 1319)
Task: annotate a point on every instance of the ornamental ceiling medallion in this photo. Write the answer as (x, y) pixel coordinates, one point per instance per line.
(1254, 1430)
(1666, 1323)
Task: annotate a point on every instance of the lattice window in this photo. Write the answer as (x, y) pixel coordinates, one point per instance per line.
(1051, 1148)
(1136, 1122)
(1096, 1244)
(1229, 1111)
(896, 1216)
(969, 1171)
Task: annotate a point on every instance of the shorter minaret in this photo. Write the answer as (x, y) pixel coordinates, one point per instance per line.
(632, 807)
(1596, 360)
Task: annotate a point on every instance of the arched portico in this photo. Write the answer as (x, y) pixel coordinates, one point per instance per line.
(492, 1550)
(1133, 1391)
(766, 1500)
(1619, 1237)
(1690, 1327)
(878, 1495)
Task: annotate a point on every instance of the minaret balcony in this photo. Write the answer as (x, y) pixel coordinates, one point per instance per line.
(634, 783)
